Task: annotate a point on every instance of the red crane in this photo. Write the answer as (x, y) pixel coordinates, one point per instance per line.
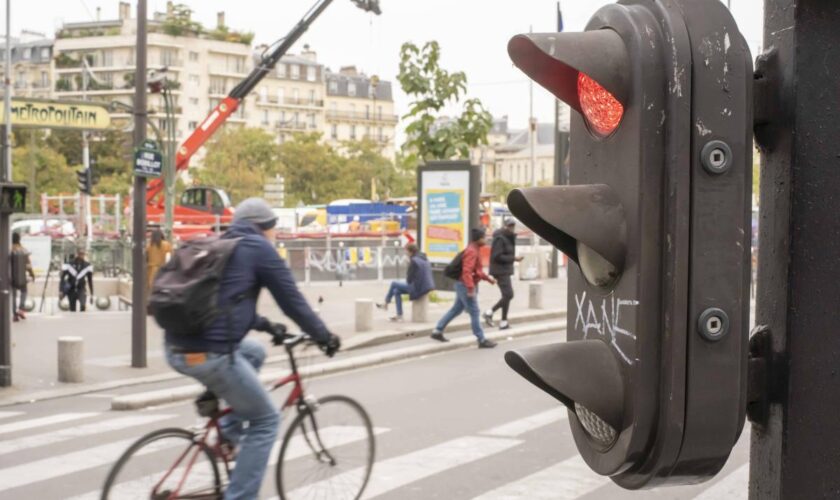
(203, 205)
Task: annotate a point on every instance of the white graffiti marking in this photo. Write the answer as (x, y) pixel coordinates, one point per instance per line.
(588, 321)
(331, 261)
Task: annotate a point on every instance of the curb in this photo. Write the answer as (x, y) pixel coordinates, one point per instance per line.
(164, 396)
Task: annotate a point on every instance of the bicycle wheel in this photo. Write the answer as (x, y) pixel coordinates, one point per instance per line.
(327, 452)
(164, 464)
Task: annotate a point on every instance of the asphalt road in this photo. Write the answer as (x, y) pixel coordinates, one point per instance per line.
(459, 425)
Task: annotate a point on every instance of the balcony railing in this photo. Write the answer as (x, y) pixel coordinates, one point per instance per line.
(292, 125)
(290, 101)
(359, 116)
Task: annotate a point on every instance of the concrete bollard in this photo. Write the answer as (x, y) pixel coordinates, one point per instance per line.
(535, 295)
(420, 310)
(364, 315)
(70, 359)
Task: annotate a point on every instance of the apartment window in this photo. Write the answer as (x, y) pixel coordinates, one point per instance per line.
(367, 111)
(263, 94)
(169, 57)
(217, 85)
(295, 71)
(351, 89)
(45, 53)
(193, 101)
(312, 96)
(193, 56)
(265, 117)
(281, 70)
(107, 58)
(353, 132)
(296, 119)
(379, 112)
(27, 54)
(45, 79)
(283, 118)
(333, 87)
(193, 125)
(195, 80)
(381, 135)
(312, 123)
(281, 95)
(334, 131)
(311, 73)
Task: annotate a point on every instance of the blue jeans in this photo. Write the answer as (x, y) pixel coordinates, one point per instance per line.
(462, 303)
(238, 384)
(398, 288)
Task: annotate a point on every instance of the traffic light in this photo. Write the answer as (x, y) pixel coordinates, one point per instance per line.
(84, 179)
(656, 223)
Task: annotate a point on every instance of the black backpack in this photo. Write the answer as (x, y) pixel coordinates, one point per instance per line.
(454, 269)
(184, 296)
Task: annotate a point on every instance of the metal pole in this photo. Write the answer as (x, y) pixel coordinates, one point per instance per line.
(85, 218)
(5, 243)
(794, 445)
(169, 173)
(138, 264)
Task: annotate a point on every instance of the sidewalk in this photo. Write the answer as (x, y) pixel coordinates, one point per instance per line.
(107, 335)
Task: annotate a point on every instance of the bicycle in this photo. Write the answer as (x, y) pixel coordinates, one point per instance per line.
(317, 450)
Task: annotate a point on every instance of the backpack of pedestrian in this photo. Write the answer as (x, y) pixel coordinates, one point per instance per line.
(466, 291)
(502, 258)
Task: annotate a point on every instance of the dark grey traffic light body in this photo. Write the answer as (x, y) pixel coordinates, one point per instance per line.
(657, 224)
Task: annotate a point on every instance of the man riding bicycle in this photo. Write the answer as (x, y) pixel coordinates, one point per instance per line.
(226, 362)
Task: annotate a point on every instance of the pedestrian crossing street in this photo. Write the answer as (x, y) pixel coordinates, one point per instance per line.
(67, 456)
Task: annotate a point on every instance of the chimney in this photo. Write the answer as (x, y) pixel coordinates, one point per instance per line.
(99, 14)
(309, 54)
(220, 19)
(348, 71)
(125, 10)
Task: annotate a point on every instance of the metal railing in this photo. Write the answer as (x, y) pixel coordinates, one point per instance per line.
(358, 115)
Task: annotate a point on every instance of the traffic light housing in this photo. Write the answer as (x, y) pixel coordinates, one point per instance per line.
(84, 179)
(656, 225)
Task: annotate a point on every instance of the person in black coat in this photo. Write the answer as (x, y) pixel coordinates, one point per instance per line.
(502, 257)
(74, 275)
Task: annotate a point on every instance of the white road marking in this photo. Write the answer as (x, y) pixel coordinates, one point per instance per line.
(9, 414)
(734, 486)
(566, 480)
(527, 424)
(59, 465)
(399, 471)
(40, 422)
(336, 436)
(68, 433)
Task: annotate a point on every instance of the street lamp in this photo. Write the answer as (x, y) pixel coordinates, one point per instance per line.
(159, 84)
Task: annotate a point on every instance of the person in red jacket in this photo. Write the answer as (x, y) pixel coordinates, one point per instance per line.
(466, 291)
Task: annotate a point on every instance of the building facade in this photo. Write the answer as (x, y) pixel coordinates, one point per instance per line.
(32, 55)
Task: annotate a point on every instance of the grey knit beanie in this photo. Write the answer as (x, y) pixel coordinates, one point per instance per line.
(257, 212)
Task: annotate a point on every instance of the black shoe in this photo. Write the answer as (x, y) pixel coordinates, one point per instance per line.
(486, 344)
(439, 337)
(488, 318)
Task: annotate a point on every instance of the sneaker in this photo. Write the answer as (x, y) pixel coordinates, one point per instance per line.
(504, 325)
(488, 318)
(396, 318)
(382, 305)
(439, 337)
(486, 344)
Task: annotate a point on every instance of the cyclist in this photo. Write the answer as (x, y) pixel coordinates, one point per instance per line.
(227, 363)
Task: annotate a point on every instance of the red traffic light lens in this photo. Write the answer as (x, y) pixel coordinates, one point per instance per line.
(601, 109)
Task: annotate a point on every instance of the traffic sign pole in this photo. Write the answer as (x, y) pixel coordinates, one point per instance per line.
(138, 266)
(5, 228)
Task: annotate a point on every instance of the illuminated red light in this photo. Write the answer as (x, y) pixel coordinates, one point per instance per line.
(602, 110)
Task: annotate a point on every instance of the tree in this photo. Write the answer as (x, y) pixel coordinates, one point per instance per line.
(180, 23)
(43, 170)
(433, 88)
(366, 168)
(240, 160)
(500, 189)
(110, 155)
(312, 171)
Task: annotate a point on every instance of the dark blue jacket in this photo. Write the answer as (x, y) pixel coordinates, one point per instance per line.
(419, 277)
(254, 265)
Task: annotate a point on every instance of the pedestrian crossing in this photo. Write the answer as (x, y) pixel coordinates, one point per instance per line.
(78, 448)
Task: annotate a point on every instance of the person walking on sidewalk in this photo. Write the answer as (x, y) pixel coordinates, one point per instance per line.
(227, 363)
(466, 291)
(73, 276)
(21, 267)
(418, 282)
(502, 257)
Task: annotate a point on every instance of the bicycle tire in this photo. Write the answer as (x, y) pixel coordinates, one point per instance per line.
(303, 417)
(148, 439)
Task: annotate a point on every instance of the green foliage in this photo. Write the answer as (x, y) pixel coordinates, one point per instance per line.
(110, 153)
(240, 160)
(42, 169)
(63, 85)
(500, 189)
(433, 88)
(64, 60)
(224, 34)
(180, 22)
(312, 171)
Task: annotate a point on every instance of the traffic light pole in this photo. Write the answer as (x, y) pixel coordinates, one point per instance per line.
(5, 226)
(794, 435)
(138, 265)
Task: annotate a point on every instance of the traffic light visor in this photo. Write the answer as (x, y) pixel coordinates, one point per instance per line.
(580, 374)
(585, 222)
(588, 71)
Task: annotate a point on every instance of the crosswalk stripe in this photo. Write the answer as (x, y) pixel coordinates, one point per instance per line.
(336, 436)
(50, 468)
(68, 433)
(566, 480)
(527, 424)
(734, 486)
(396, 472)
(9, 414)
(40, 422)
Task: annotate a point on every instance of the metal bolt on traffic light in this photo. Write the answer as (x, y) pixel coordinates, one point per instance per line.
(656, 224)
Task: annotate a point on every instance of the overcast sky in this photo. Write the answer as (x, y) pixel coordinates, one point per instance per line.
(473, 34)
